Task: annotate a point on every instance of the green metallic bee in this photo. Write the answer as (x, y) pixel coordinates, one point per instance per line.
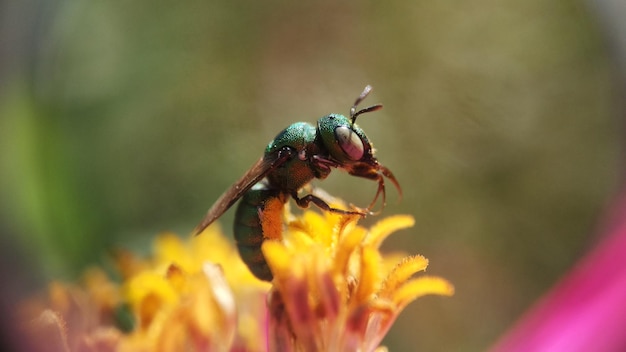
(297, 155)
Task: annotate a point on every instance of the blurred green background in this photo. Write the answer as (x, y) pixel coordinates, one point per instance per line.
(120, 120)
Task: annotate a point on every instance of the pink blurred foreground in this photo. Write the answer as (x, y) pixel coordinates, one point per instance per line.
(586, 310)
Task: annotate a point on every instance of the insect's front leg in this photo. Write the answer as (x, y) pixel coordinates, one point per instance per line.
(303, 202)
(374, 171)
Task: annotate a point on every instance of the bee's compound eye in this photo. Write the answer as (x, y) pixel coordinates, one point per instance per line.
(350, 142)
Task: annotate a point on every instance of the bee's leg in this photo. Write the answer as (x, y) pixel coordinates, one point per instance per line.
(303, 202)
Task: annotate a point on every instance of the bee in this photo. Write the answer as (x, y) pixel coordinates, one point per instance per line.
(297, 155)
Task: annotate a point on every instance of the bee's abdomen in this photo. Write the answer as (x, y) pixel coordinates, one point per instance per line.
(259, 217)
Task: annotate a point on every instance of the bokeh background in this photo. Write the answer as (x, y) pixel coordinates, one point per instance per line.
(120, 120)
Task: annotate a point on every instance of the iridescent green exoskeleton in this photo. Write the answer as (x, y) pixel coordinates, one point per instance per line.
(296, 156)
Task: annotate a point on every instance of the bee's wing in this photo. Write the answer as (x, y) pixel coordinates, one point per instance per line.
(255, 174)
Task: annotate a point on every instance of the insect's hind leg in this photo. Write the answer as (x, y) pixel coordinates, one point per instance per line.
(303, 202)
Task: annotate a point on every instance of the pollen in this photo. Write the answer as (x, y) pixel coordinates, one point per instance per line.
(271, 219)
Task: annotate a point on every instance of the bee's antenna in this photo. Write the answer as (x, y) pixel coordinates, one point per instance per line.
(354, 113)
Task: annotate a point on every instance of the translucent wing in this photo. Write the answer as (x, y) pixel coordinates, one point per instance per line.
(255, 174)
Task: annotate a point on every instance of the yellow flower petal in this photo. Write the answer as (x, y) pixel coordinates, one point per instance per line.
(402, 272)
(421, 286)
(278, 258)
(382, 229)
(169, 249)
(347, 246)
(370, 276)
(148, 293)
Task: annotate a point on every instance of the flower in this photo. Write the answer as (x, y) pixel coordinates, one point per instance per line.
(177, 299)
(332, 290)
(586, 310)
(184, 296)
